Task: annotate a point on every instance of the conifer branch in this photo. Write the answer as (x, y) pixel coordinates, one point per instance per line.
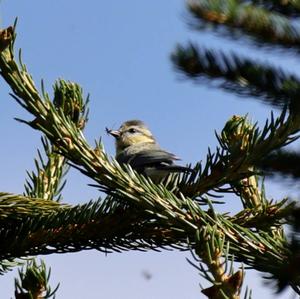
(103, 225)
(241, 75)
(282, 162)
(8, 264)
(234, 163)
(289, 8)
(271, 215)
(162, 218)
(15, 207)
(46, 183)
(226, 283)
(33, 282)
(255, 20)
(95, 225)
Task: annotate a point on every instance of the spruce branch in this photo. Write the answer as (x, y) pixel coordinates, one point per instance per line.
(14, 211)
(33, 282)
(234, 163)
(8, 264)
(283, 163)
(95, 226)
(163, 218)
(249, 192)
(103, 225)
(290, 270)
(251, 19)
(15, 207)
(290, 8)
(46, 182)
(271, 215)
(226, 283)
(236, 136)
(241, 75)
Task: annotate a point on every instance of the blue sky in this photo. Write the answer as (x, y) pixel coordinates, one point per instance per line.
(119, 53)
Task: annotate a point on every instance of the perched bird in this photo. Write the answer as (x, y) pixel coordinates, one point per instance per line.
(136, 146)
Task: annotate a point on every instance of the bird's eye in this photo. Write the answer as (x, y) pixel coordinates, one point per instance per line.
(132, 130)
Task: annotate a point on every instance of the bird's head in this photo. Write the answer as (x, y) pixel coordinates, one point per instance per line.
(131, 132)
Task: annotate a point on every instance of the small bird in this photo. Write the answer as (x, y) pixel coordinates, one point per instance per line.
(136, 146)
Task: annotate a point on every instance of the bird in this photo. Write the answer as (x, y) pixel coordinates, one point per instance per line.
(136, 146)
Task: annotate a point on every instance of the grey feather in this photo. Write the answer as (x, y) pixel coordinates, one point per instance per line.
(144, 155)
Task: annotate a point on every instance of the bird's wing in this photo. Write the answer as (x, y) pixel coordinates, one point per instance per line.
(152, 157)
(155, 158)
(147, 157)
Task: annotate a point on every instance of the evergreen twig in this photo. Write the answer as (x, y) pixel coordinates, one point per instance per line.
(266, 25)
(238, 74)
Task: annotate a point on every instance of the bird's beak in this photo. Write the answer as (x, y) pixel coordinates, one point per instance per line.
(113, 133)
